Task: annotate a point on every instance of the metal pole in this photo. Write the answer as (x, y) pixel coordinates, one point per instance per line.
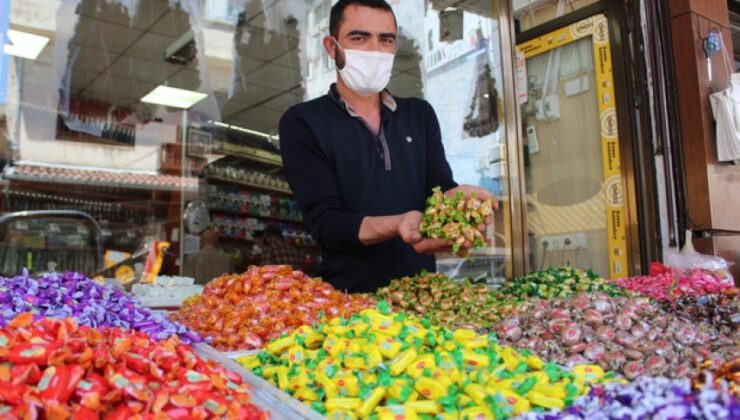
(184, 141)
(16, 139)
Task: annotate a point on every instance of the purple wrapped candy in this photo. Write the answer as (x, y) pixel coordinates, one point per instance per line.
(649, 398)
(57, 295)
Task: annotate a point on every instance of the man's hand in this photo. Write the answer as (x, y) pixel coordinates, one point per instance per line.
(408, 230)
(482, 194)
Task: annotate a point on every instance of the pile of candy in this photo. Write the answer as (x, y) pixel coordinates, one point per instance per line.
(557, 282)
(665, 283)
(634, 336)
(455, 218)
(89, 303)
(241, 312)
(52, 368)
(720, 310)
(443, 301)
(727, 374)
(393, 366)
(648, 398)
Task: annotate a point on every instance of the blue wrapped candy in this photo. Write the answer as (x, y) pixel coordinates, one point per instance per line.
(649, 398)
(57, 295)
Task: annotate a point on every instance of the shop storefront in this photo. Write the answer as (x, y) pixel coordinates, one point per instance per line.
(140, 159)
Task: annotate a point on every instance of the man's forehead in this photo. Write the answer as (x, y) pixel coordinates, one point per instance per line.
(367, 19)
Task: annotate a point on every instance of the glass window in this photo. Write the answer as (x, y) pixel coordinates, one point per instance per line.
(93, 123)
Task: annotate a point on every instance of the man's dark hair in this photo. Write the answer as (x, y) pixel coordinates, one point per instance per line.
(337, 12)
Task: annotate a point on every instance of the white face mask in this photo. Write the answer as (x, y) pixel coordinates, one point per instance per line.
(366, 72)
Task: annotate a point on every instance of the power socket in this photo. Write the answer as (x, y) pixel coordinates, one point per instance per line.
(564, 242)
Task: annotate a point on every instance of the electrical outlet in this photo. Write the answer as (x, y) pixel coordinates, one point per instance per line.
(563, 242)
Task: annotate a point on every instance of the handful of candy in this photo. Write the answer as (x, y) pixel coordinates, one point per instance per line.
(52, 368)
(455, 219)
(391, 366)
(57, 295)
(241, 312)
(443, 301)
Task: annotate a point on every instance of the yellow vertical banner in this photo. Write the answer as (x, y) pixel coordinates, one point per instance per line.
(597, 28)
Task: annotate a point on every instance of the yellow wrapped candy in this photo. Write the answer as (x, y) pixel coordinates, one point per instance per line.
(305, 394)
(587, 373)
(545, 401)
(374, 358)
(371, 401)
(518, 403)
(511, 358)
(347, 384)
(474, 360)
(389, 347)
(330, 388)
(476, 413)
(424, 406)
(280, 344)
(282, 377)
(250, 362)
(429, 388)
(311, 338)
(534, 362)
(398, 388)
(479, 342)
(382, 326)
(355, 361)
(396, 412)
(402, 361)
(334, 345)
(298, 382)
(476, 393)
(463, 334)
(551, 390)
(348, 404)
(295, 355)
(424, 361)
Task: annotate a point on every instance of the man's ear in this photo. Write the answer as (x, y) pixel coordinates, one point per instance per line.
(330, 46)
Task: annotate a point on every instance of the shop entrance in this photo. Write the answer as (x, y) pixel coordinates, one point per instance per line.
(574, 187)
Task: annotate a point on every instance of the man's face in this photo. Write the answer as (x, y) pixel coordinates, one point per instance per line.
(367, 29)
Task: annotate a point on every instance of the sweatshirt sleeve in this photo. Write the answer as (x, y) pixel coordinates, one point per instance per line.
(313, 182)
(438, 169)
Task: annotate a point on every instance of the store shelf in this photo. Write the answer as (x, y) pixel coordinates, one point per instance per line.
(250, 184)
(252, 154)
(254, 215)
(264, 395)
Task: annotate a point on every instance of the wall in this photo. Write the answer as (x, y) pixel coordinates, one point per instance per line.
(712, 187)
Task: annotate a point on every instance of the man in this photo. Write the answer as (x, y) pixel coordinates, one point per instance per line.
(362, 162)
(274, 249)
(208, 263)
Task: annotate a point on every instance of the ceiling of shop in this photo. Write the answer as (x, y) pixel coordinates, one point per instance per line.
(116, 59)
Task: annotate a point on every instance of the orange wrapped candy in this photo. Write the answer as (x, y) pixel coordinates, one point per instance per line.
(244, 311)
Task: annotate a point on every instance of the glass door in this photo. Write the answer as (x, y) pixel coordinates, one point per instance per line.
(573, 179)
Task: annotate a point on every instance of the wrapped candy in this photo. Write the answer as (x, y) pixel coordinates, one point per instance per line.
(53, 368)
(89, 303)
(443, 301)
(557, 282)
(242, 312)
(355, 370)
(666, 283)
(727, 375)
(635, 336)
(648, 398)
(455, 218)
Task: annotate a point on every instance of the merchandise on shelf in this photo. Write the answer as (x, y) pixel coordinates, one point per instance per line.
(648, 398)
(557, 282)
(249, 175)
(384, 364)
(245, 202)
(455, 218)
(89, 303)
(666, 283)
(632, 335)
(443, 301)
(241, 312)
(53, 368)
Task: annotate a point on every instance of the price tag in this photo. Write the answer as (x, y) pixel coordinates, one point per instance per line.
(20, 225)
(54, 228)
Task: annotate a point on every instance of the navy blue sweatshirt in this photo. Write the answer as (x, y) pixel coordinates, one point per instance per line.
(340, 172)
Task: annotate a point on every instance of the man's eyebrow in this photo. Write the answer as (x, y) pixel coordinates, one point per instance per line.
(367, 33)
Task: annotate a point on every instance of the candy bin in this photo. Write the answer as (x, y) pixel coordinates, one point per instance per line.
(55, 368)
(376, 364)
(243, 311)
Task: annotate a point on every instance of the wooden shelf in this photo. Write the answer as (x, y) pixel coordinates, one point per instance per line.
(250, 184)
(252, 154)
